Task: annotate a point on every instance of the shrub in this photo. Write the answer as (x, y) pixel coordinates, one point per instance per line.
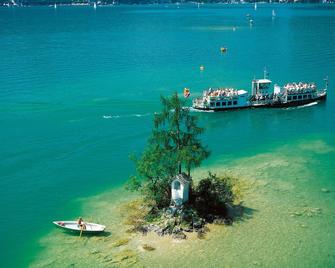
(213, 195)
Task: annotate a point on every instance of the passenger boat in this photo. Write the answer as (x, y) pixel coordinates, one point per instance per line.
(291, 94)
(75, 227)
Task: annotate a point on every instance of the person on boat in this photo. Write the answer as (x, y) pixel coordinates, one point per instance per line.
(81, 223)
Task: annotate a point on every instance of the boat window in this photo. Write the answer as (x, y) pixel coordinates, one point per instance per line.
(299, 97)
(289, 98)
(305, 96)
(218, 103)
(224, 103)
(229, 103)
(212, 104)
(294, 97)
(309, 96)
(235, 102)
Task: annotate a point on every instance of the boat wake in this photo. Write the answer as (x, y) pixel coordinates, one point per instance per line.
(124, 116)
(303, 106)
(200, 111)
(308, 105)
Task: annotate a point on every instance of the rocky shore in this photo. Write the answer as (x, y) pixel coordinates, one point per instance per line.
(177, 221)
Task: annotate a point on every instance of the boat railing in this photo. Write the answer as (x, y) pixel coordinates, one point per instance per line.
(261, 102)
(322, 92)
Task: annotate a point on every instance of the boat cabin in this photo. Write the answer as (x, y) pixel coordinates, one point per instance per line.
(222, 98)
(261, 87)
(180, 187)
(299, 91)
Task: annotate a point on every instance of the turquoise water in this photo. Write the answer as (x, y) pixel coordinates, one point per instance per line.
(79, 88)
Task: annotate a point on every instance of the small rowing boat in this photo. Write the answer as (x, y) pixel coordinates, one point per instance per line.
(88, 227)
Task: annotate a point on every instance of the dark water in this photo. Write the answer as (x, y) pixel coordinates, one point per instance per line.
(79, 87)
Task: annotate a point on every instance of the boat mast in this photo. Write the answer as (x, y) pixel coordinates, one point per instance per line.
(265, 73)
(326, 81)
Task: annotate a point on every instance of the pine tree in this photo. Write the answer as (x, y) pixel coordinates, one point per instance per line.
(174, 145)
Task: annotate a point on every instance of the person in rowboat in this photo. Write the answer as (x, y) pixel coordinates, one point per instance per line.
(81, 223)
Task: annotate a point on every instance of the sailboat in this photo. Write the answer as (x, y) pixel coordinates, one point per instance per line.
(255, 6)
(95, 5)
(55, 6)
(198, 5)
(273, 13)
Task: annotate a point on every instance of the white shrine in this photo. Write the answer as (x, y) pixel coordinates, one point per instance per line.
(180, 188)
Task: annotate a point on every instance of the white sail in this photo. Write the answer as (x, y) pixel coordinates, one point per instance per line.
(255, 7)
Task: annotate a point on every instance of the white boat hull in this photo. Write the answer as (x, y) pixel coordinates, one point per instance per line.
(73, 226)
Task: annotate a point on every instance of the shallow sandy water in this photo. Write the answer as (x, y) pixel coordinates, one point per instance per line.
(289, 220)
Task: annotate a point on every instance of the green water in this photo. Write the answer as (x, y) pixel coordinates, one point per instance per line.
(78, 91)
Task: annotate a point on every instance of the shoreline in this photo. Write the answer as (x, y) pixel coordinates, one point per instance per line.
(191, 3)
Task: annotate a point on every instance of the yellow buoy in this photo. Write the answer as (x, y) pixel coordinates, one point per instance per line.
(223, 49)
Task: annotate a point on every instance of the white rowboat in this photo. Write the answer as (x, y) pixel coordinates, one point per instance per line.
(74, 226)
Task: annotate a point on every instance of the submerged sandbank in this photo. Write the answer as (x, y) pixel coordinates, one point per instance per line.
(288, 222)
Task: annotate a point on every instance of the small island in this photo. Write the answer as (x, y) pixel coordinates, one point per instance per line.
(172, 203)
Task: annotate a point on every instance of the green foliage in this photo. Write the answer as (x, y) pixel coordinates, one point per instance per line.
(176, 130)
(133, 184)
(213, 194)
(174, 144)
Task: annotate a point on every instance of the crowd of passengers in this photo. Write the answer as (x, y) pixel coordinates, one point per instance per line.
(263, 97)
(298, 88)
(221, 92)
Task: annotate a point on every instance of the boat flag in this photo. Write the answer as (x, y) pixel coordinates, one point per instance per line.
(186, 92)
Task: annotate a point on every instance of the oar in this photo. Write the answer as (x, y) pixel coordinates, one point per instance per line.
(81, 230)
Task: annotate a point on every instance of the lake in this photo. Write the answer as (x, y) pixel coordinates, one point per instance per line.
(79, 88)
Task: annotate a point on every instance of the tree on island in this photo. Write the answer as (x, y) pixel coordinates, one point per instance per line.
(174, 145)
